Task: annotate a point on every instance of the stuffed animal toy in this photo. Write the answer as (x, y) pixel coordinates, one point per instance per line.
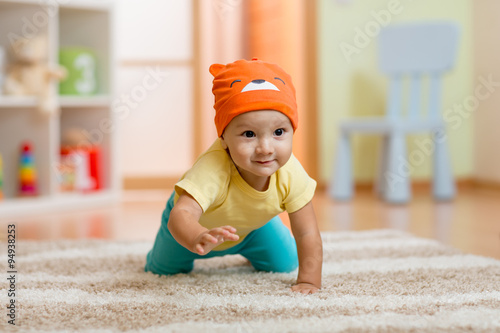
(31, 75)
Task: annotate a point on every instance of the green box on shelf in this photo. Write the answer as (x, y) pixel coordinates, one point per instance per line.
(81, 64)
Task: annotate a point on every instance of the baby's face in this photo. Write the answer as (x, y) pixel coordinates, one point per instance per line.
(259, 142)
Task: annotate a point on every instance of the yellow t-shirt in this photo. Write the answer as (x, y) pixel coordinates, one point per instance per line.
(227, 199)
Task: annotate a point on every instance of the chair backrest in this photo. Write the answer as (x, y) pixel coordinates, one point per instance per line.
(417, 50)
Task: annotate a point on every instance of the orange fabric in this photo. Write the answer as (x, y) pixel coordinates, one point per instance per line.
(244, 86)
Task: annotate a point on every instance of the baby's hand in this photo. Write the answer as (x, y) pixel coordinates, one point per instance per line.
(305, 288)
(209, 239)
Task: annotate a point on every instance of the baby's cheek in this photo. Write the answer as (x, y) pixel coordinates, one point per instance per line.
(245, 152)
(285, 153)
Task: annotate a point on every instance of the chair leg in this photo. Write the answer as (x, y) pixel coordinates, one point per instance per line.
(381, 183)
(397, 176)
(341, 185)
(443, 185)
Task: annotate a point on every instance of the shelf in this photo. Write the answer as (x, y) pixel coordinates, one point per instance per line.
(85, 101)
(18, 101)
(14, 4)
(65, 101)
(75, 4)
(94, 5)
(59, 202)
(78, 23)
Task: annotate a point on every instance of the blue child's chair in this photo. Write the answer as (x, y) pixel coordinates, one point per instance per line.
(406, 51)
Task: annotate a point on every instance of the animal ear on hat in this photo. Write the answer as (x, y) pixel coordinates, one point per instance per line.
(216, 68)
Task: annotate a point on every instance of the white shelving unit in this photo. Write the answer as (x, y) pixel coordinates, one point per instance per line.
(80, 23)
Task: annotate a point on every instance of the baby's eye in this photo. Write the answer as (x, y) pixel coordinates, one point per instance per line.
(248, 134)
(279, 132)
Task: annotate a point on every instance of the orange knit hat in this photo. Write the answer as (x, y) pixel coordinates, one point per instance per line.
(244, 86)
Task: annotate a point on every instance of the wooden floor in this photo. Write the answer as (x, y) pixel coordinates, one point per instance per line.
(471, 222)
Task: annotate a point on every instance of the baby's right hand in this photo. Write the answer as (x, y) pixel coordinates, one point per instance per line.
(209, 239)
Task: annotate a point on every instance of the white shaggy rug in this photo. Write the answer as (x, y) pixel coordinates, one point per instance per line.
(373, 281)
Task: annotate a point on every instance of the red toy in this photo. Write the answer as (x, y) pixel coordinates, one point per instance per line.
(81, 168)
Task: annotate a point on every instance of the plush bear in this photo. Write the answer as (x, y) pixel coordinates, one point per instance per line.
(31, 75)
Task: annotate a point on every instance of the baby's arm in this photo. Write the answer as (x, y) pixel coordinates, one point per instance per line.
(184, 226)
(309, 248)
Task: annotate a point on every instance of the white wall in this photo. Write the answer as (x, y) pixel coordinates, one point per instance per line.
(157, 137)
(154, 86)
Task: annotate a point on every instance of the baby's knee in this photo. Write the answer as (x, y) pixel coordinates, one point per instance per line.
(286, 266)
(167, 268)
(283, 265)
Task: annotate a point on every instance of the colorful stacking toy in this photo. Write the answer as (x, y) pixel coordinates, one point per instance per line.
(27, 172)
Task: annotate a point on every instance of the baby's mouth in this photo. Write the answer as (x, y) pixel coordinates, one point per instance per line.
(265, 162)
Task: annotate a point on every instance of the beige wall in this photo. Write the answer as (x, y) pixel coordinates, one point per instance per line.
(345, 88)
(487, 114)
(353, 86)
(220, 41)
(277, 34)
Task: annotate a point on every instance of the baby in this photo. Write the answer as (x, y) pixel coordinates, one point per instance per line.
(229, 201)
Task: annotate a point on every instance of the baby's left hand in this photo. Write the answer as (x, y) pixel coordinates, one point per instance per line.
(305, 288)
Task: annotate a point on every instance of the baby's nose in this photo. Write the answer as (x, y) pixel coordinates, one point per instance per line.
(265, 147)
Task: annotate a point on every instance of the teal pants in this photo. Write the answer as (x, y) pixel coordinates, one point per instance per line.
(270, 248)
